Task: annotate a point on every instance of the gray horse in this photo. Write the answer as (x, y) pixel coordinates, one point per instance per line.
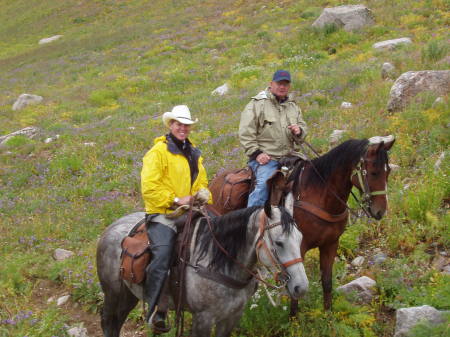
(228, 249)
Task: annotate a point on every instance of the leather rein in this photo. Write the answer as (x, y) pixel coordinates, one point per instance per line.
(264, 227)
(361, 173)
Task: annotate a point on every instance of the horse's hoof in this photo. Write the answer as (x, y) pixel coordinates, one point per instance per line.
(159, 325)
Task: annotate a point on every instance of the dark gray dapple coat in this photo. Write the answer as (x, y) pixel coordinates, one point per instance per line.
(211, 303)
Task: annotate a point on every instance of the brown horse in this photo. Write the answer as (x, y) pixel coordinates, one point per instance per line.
(317, 192)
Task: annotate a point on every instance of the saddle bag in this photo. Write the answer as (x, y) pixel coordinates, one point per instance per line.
(235, 189)
(135, 254)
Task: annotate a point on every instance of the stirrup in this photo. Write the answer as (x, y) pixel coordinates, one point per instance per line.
(159, 326)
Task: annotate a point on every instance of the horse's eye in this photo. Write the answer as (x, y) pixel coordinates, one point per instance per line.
(279, 244)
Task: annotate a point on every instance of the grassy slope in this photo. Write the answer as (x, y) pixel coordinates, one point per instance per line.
(120, 65)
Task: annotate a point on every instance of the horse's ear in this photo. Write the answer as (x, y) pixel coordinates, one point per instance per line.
(388, 144)
(268, 209)
(276, 185)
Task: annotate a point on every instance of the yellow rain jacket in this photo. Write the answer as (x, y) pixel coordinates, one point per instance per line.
(166, 174)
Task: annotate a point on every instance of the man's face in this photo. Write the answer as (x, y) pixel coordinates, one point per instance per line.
(179, 130)
(280, 89)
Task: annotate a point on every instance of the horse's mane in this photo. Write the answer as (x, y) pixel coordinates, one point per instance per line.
(230, 230)
(343, 156)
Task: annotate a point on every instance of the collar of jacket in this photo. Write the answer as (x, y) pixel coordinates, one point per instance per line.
(290, 97)
(173, 148)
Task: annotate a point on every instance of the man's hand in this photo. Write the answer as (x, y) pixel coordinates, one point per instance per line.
(295, 129)
(263, 158)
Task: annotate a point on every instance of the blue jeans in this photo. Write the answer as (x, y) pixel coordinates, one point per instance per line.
(262, 172)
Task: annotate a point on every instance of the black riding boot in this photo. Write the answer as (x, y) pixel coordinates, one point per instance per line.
(162, 239)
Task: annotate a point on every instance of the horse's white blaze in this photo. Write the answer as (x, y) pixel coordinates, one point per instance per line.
(289, 203)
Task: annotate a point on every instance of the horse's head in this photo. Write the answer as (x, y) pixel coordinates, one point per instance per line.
(278, 247)
(371, 175)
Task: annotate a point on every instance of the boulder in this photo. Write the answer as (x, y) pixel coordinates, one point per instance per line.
(363, 287)
(29, 132)
(387, 70)
(411, 83)
(351, 17)
(407, 318)
(49, 39)
(220, 91)
(391, 44)
(26, 99)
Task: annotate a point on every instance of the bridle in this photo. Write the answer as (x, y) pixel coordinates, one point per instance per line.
(281, 275)
(361, 173)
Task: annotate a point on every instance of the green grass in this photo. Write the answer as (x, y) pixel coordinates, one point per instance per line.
(120, 65)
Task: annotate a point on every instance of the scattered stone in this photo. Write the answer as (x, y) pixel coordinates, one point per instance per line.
(394, 167)
(438, 101)
(48, 140)
(220, 91)
(363, 287)
(131, 128)
(26, 99)
(437, 164)
(439, 262)
(77, 332)
(391, 44)
(335, 136)
(358, 261)
(61, 254)
(387, 70)
(407, 318)
(89, 144)
(379, 258)
(29, 132)
(50, 300)
(49, 39)
(62, 300)
(346, 105)
(411, 83)
(443, 253)
(351, 17)
(446, 270)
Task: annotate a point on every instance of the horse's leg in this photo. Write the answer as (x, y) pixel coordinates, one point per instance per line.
(202, 324)
(226, 326)
(116, 307)
(327, 255)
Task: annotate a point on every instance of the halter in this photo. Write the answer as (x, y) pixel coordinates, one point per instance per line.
(281, 275)
(361, 172)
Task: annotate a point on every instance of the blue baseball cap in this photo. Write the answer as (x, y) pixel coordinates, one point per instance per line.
(281, 75)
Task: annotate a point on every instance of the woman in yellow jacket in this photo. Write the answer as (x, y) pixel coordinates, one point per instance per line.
(172, 174)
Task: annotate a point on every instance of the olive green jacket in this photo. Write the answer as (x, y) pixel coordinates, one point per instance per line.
(264, 126)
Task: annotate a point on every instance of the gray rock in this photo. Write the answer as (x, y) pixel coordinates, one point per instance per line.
(379, 258)
(411, 83)
(394, 167)
(437, 164)
(387, 70)
(62, 300)
(26, 99)
(61, 254)
(346, 105)
(49, 39)
(77, 332)
(439, 262)
(446, 270)
(362, 287)
(407, 318)
(29, 132)
(358, 261)
(220, 91)
(335, 136)
(391, 44)
(351, 17)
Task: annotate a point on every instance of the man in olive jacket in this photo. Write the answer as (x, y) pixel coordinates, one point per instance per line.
(271, 127)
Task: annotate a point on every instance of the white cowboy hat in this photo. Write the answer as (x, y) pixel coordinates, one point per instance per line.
(179, 113)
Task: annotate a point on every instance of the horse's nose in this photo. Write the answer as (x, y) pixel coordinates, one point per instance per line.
(300, 291)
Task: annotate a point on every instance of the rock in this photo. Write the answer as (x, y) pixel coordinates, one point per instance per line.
(361, 286)
(438, 101)
(62, 300)
(89, 144)
(411, 83)
(61, 254)
(391, 44)
(394, 167)
(51, 299)
(335, 136)
(437, 164)
(77, 332)
(351, 17)
(26, 99)
(346, 105)
(387, 70)
(439, 262)
(358, 261)
(49, 39)
(407, 318)
(29, 132)
(446, 270)
(379, 258)
(220, 91)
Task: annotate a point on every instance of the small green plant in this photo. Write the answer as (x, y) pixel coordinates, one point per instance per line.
(434, 51)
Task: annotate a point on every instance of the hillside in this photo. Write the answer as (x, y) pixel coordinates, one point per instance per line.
(119, 65)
